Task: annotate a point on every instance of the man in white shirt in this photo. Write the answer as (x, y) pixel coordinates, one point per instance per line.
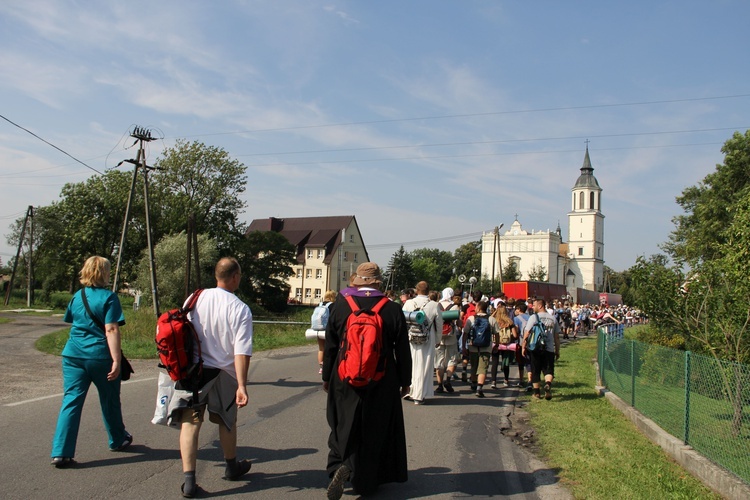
(224, 325)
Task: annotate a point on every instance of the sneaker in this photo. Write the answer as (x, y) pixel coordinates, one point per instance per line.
(547, 392)
(449, 387)
(439, 389)
(127, 442)
(480, 393)
(493, 386)
(336, 487)
(529, 388)
(63, 462)
(506, 384)
(536, 396)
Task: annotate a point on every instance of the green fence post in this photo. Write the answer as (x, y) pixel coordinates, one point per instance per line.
(632, 373)
(686, 432)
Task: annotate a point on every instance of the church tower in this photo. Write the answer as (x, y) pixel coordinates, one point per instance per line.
(586, 237)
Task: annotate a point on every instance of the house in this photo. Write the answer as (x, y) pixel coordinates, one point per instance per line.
(329, 249)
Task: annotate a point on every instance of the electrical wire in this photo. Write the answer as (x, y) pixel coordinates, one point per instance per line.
(49, 144)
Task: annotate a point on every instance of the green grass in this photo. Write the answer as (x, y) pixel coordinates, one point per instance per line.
(598, 451)
(140, 327)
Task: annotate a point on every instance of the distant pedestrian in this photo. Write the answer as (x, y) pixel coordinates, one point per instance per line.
(423, 354)
(543, 360)
(479, 355)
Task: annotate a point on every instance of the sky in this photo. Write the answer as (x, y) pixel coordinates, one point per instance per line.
(429, 121)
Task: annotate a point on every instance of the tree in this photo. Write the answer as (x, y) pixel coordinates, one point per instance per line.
(538, 273)
(433, 266)
(701, 233)
(86, 221)
(468, 257)
(511, 272)
(204, 181)
(170, 255)
(266, 258)
(400, 273)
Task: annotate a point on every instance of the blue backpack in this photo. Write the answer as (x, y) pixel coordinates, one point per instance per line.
(481, 335)
(537, 336)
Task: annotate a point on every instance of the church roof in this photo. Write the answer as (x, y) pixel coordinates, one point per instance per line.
(587, 179)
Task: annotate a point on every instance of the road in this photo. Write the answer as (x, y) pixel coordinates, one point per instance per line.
(455, 444)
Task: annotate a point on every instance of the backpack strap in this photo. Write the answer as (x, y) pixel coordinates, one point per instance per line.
(376, 308)
(193, 299)
(93, 317)
(352, 303)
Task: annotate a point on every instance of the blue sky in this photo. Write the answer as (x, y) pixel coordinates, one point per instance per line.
(427, 120)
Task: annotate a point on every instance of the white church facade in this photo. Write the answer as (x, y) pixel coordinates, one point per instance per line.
(577, 263)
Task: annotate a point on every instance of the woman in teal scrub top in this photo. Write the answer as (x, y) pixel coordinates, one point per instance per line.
(91, 355)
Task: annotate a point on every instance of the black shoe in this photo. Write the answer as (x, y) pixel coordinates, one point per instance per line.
(242, 468)
(449, 388)
(473, 388)
(547, 392)
(439, 389)
(190, 493)
(336, 487)
(480, 393)
(127, 442)
(63, 462)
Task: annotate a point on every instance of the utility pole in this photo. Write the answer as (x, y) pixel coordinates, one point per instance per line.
(29, 215)
(142, 135)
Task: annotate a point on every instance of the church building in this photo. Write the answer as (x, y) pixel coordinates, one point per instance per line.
(577, 263)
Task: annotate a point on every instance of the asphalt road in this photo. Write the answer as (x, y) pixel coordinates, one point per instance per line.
(456, 448)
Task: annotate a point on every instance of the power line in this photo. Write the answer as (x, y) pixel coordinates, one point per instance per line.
(475, 155)
(498, 141)
(473, 115)
(422, 242)
(50, 144)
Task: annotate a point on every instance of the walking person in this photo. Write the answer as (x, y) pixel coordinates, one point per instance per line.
(367, 443)
(504, 351)
(480, 331)
(320, 329)
(91, 355)
(543, 360)
(446, 352)
(224, 325)
(423, 347)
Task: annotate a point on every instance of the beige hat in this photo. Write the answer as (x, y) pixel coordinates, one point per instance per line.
(368, 273)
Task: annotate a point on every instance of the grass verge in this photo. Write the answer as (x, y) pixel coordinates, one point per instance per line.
(599, 452)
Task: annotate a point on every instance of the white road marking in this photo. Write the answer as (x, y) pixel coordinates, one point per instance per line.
(42, 398)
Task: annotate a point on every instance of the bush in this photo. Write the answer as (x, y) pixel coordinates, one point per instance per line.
(59, 300)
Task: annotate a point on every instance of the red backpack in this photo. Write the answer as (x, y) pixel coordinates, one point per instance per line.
(177, 342)
(362, 354)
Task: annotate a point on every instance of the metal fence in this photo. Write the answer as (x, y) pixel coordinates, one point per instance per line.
(701, 400)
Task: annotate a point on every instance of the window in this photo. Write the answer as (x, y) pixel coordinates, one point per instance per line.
(599, 201)
(299, 273)
(308, 275)
(344, 276)
(319, 274)
(355, 257)
(318, 294)
(309, 253)
(591, 201)
(320, 253)
(599, 252)
(298, 293)
(580, 250)
(346, 256)
(580, 200)
(308, 293)
(351, 238)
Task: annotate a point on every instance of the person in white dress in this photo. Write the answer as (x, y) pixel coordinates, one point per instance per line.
(423, 355)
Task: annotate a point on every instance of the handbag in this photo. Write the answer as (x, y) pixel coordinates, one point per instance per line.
(164, 393)
(126, 369)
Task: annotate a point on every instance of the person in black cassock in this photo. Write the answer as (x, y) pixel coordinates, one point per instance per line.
(368, 441)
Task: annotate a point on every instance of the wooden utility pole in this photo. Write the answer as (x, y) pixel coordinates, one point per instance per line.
(29, 215)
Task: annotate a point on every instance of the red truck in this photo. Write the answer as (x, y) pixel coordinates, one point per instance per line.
(538, 289)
